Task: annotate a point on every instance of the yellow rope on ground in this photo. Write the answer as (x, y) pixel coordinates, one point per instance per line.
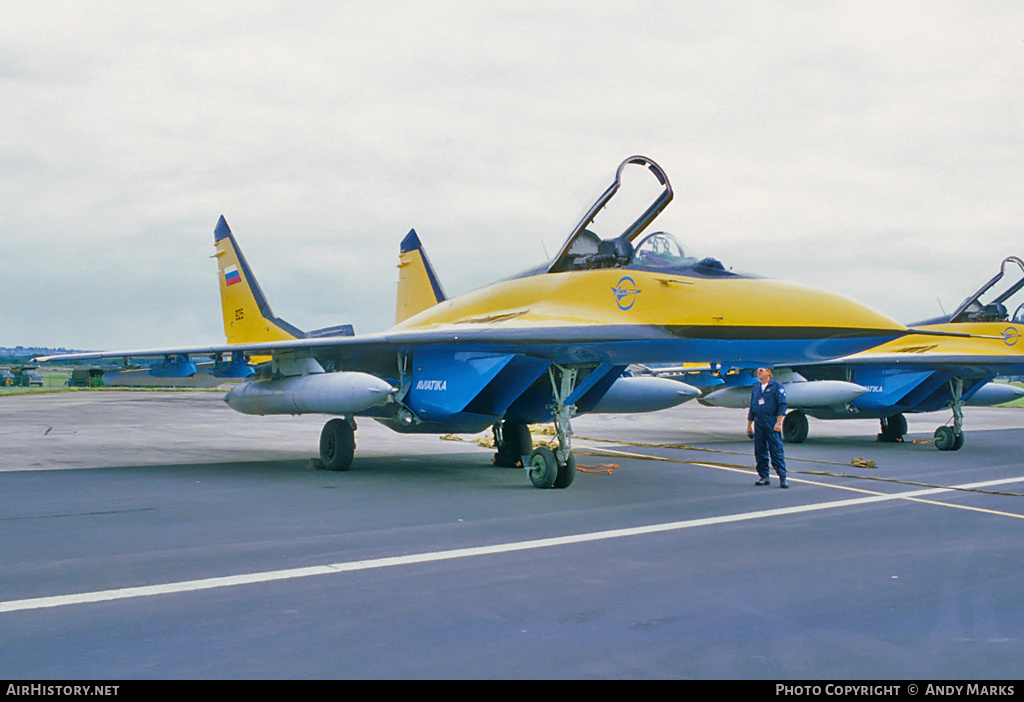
(609, 467)
(858, 462)
(797, 472)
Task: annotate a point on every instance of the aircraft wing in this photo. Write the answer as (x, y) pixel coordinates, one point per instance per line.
(554, 341)
(1003, 364)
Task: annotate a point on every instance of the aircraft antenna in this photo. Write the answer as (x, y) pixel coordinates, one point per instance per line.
(940, 305)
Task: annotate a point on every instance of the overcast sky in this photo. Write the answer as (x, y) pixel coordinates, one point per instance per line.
(870, 149)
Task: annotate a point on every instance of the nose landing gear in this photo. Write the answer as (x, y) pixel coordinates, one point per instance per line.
(951, 438)
(557, 468)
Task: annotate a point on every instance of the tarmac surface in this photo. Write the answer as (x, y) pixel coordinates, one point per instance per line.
(161, 535)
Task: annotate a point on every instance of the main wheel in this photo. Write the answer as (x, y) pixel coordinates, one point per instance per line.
(337, 445)
(566, 473)
(945, 439)
(893, 428)
(794, 427)
(516, 443)
(543, 467)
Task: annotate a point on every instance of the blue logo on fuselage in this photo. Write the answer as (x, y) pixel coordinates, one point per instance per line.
(625, 293)
(1010, 336)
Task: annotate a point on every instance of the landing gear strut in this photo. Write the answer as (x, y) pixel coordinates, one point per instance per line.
(951, 438)
(557, 468)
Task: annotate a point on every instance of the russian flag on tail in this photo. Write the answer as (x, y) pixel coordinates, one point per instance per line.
(231, 275)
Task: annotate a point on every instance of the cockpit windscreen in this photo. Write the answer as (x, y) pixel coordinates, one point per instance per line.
(661, 250)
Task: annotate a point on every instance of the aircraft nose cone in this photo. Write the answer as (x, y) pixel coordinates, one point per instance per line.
(841, 326)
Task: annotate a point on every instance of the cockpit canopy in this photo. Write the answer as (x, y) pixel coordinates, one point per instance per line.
(999, 300)
(659, 251)
(586, 250)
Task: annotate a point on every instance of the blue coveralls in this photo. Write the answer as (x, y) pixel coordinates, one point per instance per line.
(765, 409)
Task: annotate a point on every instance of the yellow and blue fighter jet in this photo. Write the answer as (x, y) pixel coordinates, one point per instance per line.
(419, 289)
(912, 374)
(541, 346)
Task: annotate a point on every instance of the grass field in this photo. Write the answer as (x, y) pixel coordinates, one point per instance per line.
(1015, 403)
(56, 381)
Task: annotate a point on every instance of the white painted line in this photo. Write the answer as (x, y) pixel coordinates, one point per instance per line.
(351, 566)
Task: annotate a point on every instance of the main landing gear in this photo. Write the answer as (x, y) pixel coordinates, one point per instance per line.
(338, 444)
(892, 429)
(794, 427)
(513, 442)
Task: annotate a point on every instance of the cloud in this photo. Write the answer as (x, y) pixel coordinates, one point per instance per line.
(870, 149)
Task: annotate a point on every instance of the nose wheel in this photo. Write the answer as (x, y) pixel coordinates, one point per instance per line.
(946, 439)
(546, 472)
(951, 438)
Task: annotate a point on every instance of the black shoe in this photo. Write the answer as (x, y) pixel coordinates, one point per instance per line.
(763, 481)
(784, 485)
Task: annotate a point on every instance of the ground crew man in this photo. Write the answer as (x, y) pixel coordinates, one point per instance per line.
(764, 422)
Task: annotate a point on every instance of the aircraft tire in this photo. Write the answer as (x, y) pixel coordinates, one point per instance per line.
(900, 424)
(543, 467)
(893, 428)
(566, 473)
(945, 439)
(518, 442)
(337, 445)
(794, 427)
(958, 442)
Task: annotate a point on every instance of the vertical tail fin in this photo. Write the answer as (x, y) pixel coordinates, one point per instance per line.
(247, 314)
(418, 286)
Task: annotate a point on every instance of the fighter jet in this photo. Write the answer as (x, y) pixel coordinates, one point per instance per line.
(544, 345)
(248, 318)
(912, 374)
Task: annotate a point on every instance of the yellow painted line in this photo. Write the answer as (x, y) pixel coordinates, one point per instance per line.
(967, 507)
(735, 469)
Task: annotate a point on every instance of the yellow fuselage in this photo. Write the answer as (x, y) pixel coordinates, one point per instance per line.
(999, 340)
(584, 298)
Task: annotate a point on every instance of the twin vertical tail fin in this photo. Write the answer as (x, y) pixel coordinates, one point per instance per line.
(247, 314)
(418, 286)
